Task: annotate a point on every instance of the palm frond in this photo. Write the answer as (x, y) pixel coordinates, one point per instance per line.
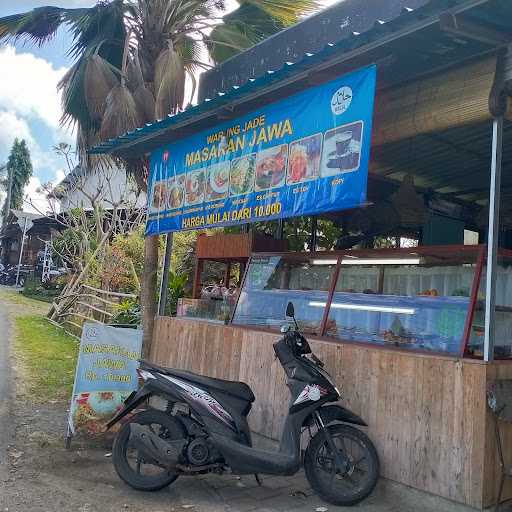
(145, 102)
(286, 12)
(99, 80)
(134, 77)
(37, 26)
(74, 107)
(240, 29)
(190, 51)
(121, 113)
(169, 82)
(101, 26)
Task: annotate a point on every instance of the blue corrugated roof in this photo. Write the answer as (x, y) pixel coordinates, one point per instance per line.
(257, 86)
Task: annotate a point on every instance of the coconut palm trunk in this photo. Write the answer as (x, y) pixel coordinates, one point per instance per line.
(149, 287)
(131, 60)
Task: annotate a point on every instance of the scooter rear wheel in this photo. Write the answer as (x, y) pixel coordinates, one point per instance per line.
(127, 462)
(357, 481)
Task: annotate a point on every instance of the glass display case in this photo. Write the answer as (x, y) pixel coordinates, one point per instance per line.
(427, 298)
(218, 311)
(503, 310)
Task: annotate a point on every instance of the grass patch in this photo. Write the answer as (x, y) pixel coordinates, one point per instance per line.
(41, 297)
(15, 298)
(46, 357)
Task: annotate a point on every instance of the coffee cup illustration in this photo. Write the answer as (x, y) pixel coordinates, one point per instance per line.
(342, 143)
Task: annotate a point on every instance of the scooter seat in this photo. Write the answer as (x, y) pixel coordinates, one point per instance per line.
(234, 388)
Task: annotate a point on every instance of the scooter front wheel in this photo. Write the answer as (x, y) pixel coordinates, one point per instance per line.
(353, 483)
(128, 463)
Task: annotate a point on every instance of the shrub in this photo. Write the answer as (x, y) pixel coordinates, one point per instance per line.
(127, 313)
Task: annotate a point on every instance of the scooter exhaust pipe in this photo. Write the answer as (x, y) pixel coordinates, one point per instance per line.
(153, 449)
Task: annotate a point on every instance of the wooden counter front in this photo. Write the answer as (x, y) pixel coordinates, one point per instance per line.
(427, 414)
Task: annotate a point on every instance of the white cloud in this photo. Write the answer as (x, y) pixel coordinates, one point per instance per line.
(74, 3)
(29, 86)
(11, 127)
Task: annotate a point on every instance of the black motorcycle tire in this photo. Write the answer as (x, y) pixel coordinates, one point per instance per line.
(328, 493)
(121, 465)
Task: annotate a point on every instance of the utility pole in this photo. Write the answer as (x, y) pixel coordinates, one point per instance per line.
(10, 173)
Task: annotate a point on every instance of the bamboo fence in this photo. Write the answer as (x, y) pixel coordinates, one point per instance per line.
(86, 304)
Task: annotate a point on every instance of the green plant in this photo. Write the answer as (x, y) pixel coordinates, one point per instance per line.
(176, 290)
(32, 283)
(19, 168)
(46, 291)
(127, 313)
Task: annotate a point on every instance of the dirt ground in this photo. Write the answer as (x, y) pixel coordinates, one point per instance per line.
(44, 476)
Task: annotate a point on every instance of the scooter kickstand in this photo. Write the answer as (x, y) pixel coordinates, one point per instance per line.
(258, 479)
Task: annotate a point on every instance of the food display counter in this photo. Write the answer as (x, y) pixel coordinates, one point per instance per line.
(401, 331)
(427, 298)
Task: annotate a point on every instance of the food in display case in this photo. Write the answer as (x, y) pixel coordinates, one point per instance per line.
(414, 299)
(271, 282)
(422, 322)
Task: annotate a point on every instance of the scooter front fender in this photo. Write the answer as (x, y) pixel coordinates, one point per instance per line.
(133, 401)
(331, 413)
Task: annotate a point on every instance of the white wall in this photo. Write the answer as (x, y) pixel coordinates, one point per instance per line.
(107, 186)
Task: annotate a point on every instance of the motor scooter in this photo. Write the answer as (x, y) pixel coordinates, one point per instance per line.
(204, 429)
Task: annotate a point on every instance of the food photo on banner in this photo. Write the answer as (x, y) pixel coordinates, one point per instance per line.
(303, 155)
(106, 374)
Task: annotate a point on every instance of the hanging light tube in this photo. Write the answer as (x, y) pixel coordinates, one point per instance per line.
(363, 307)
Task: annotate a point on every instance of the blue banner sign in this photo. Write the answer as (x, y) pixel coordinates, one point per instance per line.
(303, 155)
(105, 375)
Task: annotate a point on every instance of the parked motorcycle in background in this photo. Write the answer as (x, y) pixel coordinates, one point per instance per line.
(205, 429)
(9, 273)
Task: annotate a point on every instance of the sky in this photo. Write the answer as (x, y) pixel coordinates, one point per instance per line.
(29, 102)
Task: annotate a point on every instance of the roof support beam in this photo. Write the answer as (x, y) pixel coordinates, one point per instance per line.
(461, 26)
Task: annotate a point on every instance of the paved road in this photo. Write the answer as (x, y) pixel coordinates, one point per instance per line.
(5, 381)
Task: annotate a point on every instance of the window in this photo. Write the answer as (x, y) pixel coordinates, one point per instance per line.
(273, 281)
(411, 301)
(502, 315)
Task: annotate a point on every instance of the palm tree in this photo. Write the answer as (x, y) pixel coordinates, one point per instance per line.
(131, 60)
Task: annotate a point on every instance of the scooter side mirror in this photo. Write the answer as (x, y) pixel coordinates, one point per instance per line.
(290, 310)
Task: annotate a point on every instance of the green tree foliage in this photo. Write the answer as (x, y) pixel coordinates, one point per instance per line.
(19, 166)
(176, 290)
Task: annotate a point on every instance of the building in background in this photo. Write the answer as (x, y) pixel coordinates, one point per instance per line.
(38, 229)
(105, 187)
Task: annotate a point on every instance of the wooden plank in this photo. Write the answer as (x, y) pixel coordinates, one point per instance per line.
(496, 371)
(113, 294)
(426, 414)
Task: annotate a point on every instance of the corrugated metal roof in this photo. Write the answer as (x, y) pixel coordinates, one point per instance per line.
(379, 33)
(331, 25)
